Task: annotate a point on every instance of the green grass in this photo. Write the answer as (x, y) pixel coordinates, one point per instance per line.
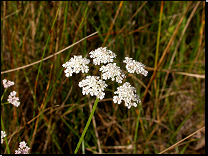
(172, 109)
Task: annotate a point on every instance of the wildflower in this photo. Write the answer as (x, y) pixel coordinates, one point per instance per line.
(7, 84)
(126, 93)
(102, 55)
(111, 71)
(23, 149)
(13, 100)
(132, 66)
(94, 86)
(75, 65)
(3, 134)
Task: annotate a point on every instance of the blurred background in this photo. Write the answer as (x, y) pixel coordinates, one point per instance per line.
(168, 36)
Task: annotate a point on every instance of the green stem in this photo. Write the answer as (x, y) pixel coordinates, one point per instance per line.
(158, 35)
(35, 101)
(87, 125)
(2, 124)
(46, 46)
(5, 103)
(136, 130)
(3, 94)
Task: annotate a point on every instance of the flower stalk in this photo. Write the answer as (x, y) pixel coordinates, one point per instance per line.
(2, 125)
(87, 125)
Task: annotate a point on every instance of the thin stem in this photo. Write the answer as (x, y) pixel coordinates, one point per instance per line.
(5, 103)
(2, 124)
(181, 140)
(87, 125)
(35, 100)
(49, 35)
(3, 94)
(158, 34)
(136, 130)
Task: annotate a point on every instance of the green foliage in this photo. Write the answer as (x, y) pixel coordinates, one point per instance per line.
(172, 109)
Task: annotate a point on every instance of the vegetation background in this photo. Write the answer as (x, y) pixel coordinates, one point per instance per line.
(167, 36)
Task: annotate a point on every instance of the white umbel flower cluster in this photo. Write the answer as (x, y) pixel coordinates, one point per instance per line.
(111, 71)
(23, 148)
(102, 55)
(3, 134)
(75, 65)
(8, 83)
(94, 86)
(13, 100)
(132, 66)
(126, 93)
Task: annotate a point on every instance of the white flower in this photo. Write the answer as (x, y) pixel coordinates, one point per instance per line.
(12, 99)
(23, 149)
(3, 134)
(75, 65)
(111, 71)
(132, 66)
(94, 86)
(102, 55)
(19, 151)
(7, 84)
(22, 144)
(127, 93)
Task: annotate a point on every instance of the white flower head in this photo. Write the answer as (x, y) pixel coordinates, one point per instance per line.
(22, 144)
(75, 65)
(126, 93)
(94, 86)
(3, 134)
(13, 100)
(7, 84)
(23, 148)
(132, 66)
(102, 55)
(111, 71)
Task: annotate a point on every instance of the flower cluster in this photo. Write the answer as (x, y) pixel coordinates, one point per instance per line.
(8, 83)
(13, 100)
(3, 134)
(23, 148)
(126, 93)
(75, 65)
(102, 55)
(132, 66)
(111, 71)
(94, 86)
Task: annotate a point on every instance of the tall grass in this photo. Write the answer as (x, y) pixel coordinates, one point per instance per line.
(168, 37)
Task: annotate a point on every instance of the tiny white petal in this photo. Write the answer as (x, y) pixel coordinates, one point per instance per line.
(102, 55)
(8, 83)
(126, 93)
(75, 65)
(13, 100)
(3, 134)
(111, 71)
(23, 148)
(94, 86)
(134, 66)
